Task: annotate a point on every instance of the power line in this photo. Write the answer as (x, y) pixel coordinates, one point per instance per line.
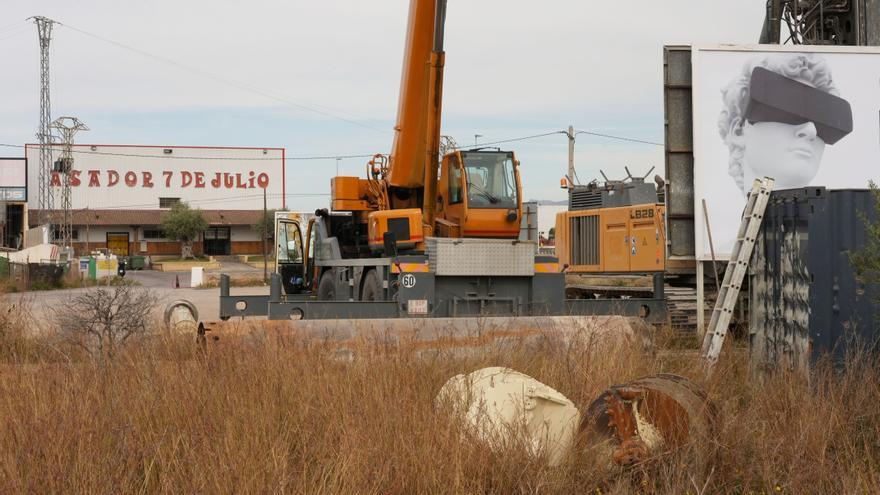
(329, 157)
(597, 134)
(12, 33)
(14, 26)
(523, 138)
(12, 36)
(619, 138)
(223, 80)
(325, 156)
(211, 158)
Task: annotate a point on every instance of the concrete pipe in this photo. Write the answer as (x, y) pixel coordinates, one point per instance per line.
(181, 316)
(455, 336)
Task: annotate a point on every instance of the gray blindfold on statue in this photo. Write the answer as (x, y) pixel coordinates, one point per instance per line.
(776, 98)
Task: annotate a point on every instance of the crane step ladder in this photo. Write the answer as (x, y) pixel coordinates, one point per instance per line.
(736, 270)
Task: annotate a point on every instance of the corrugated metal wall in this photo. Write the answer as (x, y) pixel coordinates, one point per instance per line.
(678, 109)
(871, 22)
(805, 299)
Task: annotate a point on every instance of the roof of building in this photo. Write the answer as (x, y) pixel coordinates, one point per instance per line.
(146, 217)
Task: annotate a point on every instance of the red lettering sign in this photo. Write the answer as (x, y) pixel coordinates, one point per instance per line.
(131, 179)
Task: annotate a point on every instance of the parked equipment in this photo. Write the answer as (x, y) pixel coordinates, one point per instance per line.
(616, 228)
(420, 235)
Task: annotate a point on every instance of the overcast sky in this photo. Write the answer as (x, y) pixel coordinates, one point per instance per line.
(513, 68)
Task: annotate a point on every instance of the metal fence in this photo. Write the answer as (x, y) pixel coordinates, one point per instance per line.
(27, 276)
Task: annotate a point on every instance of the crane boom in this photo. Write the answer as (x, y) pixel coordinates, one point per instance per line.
(411, 140)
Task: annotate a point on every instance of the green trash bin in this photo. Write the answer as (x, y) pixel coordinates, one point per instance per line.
(4, 267)
(135, 263)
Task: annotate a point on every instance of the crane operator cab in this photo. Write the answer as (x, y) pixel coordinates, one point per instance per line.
(289, 256)
(479, 195)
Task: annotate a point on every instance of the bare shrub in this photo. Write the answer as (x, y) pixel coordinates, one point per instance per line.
(104, 318)
(16, 328)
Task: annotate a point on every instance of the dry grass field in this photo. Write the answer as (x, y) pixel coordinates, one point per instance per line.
(162, 417)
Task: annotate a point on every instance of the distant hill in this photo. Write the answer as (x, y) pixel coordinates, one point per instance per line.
(549, 202)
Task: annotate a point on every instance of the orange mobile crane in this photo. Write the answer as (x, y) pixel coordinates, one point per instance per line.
(479, 191)
(420, 235)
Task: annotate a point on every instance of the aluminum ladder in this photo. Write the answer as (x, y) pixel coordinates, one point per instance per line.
(736, 271)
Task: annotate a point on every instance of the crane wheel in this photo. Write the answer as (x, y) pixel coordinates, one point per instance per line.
(372, 290)
(327, 287)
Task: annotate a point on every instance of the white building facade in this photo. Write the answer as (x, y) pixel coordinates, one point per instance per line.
(119, 194)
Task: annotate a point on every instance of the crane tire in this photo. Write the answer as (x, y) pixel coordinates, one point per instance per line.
(372, 290)
(327, 287)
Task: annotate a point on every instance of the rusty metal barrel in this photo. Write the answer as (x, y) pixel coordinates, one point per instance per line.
(648, 416)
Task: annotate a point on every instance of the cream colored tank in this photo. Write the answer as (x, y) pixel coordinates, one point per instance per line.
(499, 402)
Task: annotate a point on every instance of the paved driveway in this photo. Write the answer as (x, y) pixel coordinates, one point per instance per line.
(157, 279)
(41, 303)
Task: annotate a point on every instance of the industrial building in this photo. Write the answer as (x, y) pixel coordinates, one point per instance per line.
(13, 200)
(119, 194)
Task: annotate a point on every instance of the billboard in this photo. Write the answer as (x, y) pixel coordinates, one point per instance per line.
(13, 179)
(150, 177)
(801, 115)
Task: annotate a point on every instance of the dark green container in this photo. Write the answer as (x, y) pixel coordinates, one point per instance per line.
(135, 263)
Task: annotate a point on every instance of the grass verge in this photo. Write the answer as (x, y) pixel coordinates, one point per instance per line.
(162, 417)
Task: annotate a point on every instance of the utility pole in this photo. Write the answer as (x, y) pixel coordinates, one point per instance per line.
(265, 232)
(88, 228)
(67, 127)
(44, 135)
(476, 136)
(570, 135)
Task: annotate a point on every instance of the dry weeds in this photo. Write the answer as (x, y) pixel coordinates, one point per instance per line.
(164, 418)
